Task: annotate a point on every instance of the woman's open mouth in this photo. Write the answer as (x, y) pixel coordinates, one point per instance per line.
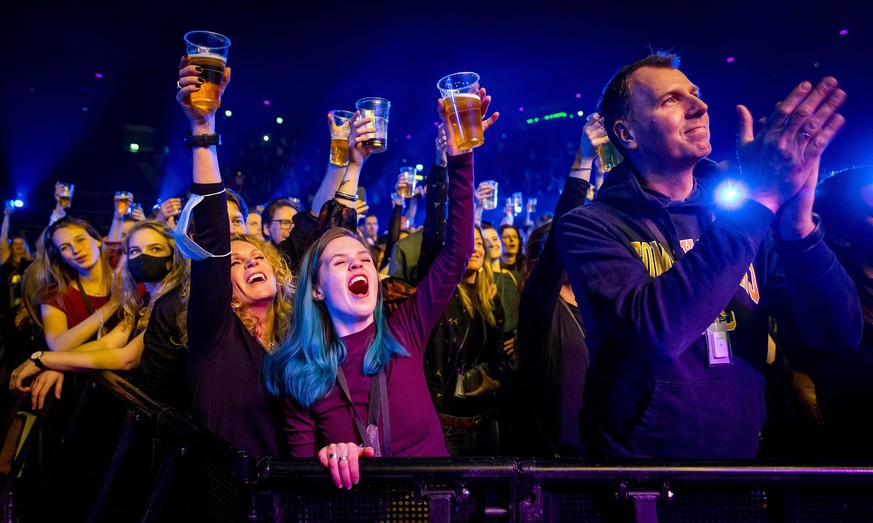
(359, 285)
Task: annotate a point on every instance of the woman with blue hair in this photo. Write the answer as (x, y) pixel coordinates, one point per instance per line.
(352, 380)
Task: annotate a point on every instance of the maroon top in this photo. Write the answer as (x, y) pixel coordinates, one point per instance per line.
(73, 305)
(415, 428)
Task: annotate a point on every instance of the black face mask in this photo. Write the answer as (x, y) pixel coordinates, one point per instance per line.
(149, 269)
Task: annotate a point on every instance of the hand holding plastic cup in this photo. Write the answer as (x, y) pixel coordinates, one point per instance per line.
(490, 202)
(339, 137)
(607, 153)
(208, 51)
(406, 181)
(609, 156)
(463, 108)
(517, 202)
(378, 109)
(123, 199)
(531, 205)
(64, 193)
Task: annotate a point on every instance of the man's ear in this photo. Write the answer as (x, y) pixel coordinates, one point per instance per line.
(625, 133)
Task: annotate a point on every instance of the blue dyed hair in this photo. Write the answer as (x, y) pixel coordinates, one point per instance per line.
(304, 365)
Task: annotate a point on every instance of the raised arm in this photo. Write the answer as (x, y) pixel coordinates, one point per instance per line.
(420, 313)
(435, 207)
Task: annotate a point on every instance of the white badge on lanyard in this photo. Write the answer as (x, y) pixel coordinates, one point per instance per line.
(718, 342)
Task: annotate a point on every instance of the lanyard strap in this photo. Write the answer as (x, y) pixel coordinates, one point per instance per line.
(378, 405)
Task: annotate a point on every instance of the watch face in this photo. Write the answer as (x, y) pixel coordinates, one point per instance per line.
(36, 355)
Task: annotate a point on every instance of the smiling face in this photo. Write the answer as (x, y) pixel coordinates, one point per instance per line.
(668, 123)
(492, 243)
(348, 284)
(77, 248)
(478, 256)
(251, 275)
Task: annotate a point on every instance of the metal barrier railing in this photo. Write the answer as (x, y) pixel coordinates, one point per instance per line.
(194, 475)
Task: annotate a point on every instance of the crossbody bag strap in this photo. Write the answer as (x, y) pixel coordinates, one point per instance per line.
(85, 297)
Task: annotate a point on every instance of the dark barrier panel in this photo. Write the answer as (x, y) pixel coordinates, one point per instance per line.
(160, 466)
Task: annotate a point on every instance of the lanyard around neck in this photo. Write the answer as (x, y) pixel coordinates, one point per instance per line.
(378, 404)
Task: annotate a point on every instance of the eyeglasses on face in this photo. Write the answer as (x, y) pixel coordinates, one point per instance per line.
(285, 224)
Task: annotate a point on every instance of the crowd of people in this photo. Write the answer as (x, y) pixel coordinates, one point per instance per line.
(646, 322)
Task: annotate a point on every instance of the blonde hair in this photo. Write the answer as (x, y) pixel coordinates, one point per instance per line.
(132, 303)
(284, 298)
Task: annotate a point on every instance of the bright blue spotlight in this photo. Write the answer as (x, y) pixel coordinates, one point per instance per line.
(729, 194)
(18, 203)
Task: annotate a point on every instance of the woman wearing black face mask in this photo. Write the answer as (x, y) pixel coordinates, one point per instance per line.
(153, 261)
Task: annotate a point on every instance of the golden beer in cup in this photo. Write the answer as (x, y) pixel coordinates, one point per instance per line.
(463, 109)
(609, 156)
(377, 109)
(123, 199)
(406, 181)
(339, 137)
(64, 192)
(207, 50)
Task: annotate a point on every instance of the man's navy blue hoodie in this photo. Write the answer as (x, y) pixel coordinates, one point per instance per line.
(650, 276)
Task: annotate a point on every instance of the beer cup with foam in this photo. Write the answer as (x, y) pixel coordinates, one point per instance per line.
(460, 91)
(123, 199)
(339, 137)
(207, 50)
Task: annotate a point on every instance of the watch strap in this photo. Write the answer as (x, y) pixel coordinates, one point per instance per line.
(202, 140)
(36, 359)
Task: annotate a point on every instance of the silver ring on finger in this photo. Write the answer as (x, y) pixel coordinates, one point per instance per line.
(804, 134)
(177, 85)
(331, 456)
(342, 458)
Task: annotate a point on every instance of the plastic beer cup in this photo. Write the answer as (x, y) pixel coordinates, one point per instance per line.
(207, 50)
(339, 137)
(463, 108)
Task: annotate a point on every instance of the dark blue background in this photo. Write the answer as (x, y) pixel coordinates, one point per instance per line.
(61, 122)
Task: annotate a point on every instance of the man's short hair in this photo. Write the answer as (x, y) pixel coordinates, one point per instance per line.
(270, 209)
(614, 102)
(233, 196)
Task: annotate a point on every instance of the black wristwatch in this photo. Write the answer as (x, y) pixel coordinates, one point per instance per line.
(202, 140)
(36, 359)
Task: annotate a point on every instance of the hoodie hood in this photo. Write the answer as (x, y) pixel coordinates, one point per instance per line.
(622, 188)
